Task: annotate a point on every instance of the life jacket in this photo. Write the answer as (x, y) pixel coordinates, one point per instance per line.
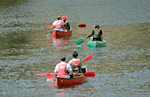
(76, 65)
(58, 24)
(96, 33)
(66, 26)
(62, 70)
(75, 62)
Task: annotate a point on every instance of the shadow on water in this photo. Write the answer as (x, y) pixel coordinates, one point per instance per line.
(13, 43)
(6, 3)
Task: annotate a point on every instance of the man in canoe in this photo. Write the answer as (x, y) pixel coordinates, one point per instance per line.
(75, 63)
(96, 34)
(66, 23)
(58, 25)
(63, 69)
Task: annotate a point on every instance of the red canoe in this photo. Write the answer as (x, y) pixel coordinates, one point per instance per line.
(70, 82)
(61, 34)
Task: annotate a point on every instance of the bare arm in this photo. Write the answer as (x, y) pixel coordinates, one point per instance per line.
(101, 33)
(63, 27)
(69, 68)
(56, 70)
(50, 30)
(91, 34)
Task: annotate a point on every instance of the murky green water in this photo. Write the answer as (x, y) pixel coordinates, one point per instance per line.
(122, 67)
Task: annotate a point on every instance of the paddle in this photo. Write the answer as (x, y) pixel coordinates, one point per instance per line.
(88, 58)
(79, 42)
(105, 37)
(87, 74)
(49, 76)
(80, 25)
(49, 26)
(41, 74)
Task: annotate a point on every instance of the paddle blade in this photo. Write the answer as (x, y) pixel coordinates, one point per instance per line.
(49, 26)
(41, 74)
(79, 42)
(89, 74)
(82, 25)
(49, 76)
(88, 58)
(105, 37)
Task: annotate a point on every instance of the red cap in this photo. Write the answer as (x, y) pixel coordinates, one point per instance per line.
(64, 17)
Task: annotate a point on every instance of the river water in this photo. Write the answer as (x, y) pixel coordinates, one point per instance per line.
(122, 67)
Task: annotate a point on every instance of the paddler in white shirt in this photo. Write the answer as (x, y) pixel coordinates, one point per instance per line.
(63, 70)
(58, 25)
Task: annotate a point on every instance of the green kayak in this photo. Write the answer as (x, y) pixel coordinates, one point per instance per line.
(97, 43)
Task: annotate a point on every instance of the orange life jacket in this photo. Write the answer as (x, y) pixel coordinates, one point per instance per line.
(62, 70)
(75, 62)
(76, 65)
(58, 24)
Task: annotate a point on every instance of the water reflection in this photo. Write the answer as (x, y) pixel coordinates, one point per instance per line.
(62, 41)
(58, 43)
(50, 84)
(75, 90)
(94, 48)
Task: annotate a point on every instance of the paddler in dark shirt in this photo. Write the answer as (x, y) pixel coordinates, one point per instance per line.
(75, 63)
(96, 34)
(66, 23)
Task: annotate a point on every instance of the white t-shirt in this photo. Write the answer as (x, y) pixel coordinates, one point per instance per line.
(59, 29)
(68, 67)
